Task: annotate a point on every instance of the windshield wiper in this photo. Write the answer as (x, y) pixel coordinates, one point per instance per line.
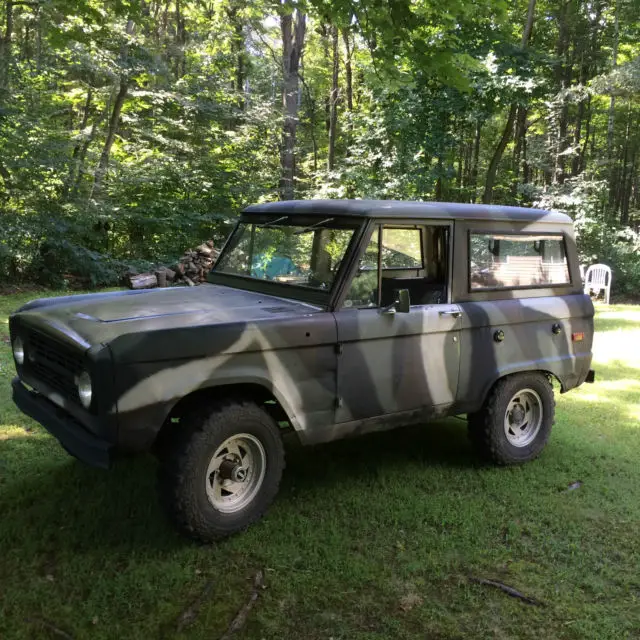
(271, 223)
(313, 226)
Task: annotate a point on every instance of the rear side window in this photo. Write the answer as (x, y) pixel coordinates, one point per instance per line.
(507, 261)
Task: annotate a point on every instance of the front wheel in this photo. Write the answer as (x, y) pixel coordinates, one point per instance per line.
(515, 422)
(221, 469)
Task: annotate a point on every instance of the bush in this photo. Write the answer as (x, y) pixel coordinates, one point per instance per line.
(599, 239)
(90, 246)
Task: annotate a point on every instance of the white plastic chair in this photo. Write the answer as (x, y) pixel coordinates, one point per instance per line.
(598, 278)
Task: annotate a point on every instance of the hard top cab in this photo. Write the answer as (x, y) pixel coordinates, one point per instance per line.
(330, 318)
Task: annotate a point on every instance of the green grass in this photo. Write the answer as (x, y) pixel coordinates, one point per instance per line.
(369, 538)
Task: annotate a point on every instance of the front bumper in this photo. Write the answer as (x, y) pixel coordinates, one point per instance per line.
(77, 441)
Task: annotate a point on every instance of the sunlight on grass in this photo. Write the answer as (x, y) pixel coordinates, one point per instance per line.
(617, 336)
(605, 391)
(8, 431)
(624, 394)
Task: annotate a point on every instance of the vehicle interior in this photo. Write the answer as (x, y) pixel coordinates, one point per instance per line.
(413, 257)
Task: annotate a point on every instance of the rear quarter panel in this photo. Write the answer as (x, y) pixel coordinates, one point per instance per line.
(529, 342)
(525, 316)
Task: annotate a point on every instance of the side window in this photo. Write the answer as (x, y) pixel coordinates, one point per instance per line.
(401, 248)
(507, 261)
(363, 291)
(411, 257)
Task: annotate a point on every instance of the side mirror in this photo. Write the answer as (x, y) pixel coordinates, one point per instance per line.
(402, 303)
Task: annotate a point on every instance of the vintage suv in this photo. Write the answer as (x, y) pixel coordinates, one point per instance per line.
(323, 319)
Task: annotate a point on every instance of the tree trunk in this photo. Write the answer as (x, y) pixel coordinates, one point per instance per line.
(121, 96)
(577, 130)
(292, 44)
(438, 192)
(563, 79)
(520, 135)
(181, 39)
(5, 51)
(333, 99)
(82, 155)
(487, 197)
(473, 182)
(611, 117)
(626, 196)
(312, 119)
(461, 156)
(621, 182)
(240, 61)
(111, 135)
(587, 136)
(526, 169)
(73, 167)
(6, 177)
(468, 154)
(612, 100)
(325, 31)
(577, 136)
(238, 49)
(348, 70)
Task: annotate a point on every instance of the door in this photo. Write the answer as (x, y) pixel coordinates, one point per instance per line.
(394, 362)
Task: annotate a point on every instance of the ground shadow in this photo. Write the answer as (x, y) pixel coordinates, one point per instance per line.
(79, 507)
(440, 443)
(83, 508)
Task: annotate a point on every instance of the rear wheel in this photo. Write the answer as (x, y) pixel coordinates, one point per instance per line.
(515, 422)
(220, 469)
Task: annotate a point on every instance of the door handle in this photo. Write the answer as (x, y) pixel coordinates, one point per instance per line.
(453, 314)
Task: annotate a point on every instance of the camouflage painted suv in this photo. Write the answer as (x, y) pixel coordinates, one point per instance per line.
(324, 319)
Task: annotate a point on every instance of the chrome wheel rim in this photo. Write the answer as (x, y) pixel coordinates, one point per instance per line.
(235, 473)
(523, 418)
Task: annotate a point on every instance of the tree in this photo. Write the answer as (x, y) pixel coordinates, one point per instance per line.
(508, 127)
(293, 26)
(120, 146)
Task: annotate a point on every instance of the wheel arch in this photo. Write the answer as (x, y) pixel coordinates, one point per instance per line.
(257, 391)
(551, 376)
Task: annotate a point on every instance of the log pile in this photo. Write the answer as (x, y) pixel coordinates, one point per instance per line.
(195, 264)
(192, 269)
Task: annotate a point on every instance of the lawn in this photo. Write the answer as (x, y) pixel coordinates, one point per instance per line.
(370, 538)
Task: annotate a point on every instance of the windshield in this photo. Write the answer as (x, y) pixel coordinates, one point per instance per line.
(289, 251)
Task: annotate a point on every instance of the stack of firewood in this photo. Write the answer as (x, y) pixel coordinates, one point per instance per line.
(195, 264)
(192, 269)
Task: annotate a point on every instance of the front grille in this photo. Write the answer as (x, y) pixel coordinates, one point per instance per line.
(53, 364)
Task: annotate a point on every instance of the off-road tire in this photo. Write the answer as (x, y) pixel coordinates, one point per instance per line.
(486, 427)
(184, 461)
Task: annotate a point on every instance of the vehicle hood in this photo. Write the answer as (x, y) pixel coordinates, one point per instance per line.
(93, 319)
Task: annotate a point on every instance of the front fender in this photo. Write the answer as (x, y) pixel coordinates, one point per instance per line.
(147, 392)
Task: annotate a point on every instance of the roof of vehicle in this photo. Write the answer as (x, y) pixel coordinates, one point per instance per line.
(404, 209)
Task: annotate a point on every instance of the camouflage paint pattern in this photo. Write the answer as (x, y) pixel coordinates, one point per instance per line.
(335, 371)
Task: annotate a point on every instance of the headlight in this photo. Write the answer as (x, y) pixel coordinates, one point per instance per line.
(83, 382)
(18, 350)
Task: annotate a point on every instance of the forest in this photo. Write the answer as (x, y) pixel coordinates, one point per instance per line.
(131, 130)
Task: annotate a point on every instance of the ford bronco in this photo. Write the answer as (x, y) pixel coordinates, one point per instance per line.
(323, 319)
